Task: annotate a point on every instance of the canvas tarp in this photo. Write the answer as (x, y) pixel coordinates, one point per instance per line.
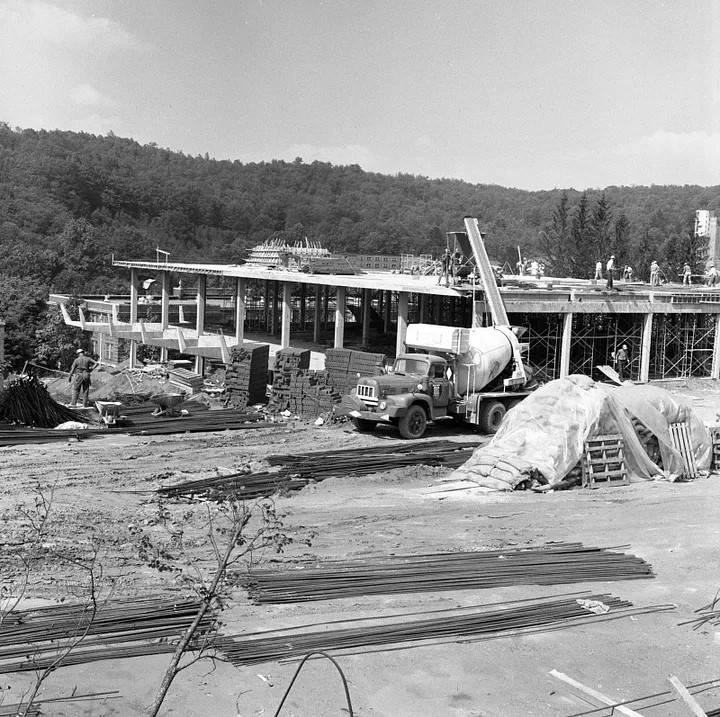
(543, 436)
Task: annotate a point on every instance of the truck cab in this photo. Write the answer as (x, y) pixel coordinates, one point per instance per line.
(417, 390)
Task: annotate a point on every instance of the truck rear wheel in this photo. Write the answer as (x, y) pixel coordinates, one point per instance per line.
(490, 416)
(363, 425)
(413, 423)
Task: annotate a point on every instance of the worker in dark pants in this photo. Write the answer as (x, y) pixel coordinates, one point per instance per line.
(621, 359)
(609, 272)
(80, 377)
(446, 267)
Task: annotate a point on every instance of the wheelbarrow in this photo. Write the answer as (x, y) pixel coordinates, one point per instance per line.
(109, 411)
(167, 404)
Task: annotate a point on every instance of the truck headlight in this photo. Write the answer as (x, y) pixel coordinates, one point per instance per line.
(382, 405)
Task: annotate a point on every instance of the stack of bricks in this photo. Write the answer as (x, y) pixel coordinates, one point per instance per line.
(309, 393)
(246, 375)
(344, 365)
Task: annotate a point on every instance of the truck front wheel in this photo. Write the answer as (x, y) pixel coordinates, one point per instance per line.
(363, 425)
(413, 423)
(490, 416)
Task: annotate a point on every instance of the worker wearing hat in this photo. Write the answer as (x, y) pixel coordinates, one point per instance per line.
(80, 377)
(609, 271)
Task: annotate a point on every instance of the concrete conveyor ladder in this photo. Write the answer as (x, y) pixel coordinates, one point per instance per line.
(492, 293)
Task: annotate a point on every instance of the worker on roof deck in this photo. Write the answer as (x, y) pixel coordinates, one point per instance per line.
(609, 272)
(654, 273)
(80, 377)
(687, 275)
(711, 276)
(598, 270)
(445, 267)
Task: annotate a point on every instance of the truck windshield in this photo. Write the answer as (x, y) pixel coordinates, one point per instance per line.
(411, 365)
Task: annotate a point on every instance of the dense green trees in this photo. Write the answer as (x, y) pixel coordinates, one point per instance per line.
(69, 201)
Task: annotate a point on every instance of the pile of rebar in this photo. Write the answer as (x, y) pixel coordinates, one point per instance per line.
(300, 470)
(499, 620)
(32, 639)
(14, 436)
(26, 401)
(553, 564)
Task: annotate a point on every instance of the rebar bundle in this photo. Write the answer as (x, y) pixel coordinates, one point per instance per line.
(32, 639)
(26, 401)
(300, 470)
(473, 623)
(552, 564)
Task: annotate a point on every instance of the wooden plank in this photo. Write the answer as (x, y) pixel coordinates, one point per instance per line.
(685, 698)
(603, 699)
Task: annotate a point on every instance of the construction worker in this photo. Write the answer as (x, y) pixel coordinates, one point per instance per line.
(711, 276)
(687, 275)
(598, 270)
(456, 262)
(621, 359)
(628, 273)
(80, 377)
(654, 273)
(609, 272)
(445, 267)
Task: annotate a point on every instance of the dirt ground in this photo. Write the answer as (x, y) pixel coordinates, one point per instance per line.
(103, 496)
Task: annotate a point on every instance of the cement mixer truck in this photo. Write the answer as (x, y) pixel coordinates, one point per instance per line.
(468, 375)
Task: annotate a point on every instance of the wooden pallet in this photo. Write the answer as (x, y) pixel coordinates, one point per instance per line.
(604, 462)
(680, 439)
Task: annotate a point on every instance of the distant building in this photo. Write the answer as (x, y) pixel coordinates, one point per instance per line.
(706, 228)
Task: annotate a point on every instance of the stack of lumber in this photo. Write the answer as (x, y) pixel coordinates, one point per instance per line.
(246, 375)
(328, 265)
(189, 381)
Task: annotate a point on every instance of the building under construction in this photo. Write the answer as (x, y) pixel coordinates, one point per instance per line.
(202, 311)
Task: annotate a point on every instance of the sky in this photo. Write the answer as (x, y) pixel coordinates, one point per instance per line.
(533, 94)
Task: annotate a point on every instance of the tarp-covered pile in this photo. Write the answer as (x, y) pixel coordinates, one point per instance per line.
(543, 437)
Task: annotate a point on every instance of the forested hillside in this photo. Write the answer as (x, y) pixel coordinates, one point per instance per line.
(68, 201)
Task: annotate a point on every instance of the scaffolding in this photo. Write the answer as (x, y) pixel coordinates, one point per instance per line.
(682, 345)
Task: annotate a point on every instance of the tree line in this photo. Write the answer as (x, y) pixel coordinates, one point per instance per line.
(70, 201)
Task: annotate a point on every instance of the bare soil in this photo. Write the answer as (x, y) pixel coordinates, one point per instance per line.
(104, 496)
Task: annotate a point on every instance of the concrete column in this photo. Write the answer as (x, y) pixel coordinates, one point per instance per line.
(134, 290)
(646, 346)
(240, 308)
(200, 317)
(715, 370)
(165, 302)
(286, 315)
(565, 346)
(340, 304)
(316, 314)
(402, 322)
(388, 312)
(366, 297)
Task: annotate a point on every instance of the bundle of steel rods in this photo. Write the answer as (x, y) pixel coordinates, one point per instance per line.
(553, 564)
(300, 470)
(476, 622)
(32, 639)
(26, 401)
(22, 436)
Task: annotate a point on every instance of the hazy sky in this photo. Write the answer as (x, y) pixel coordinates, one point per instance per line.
(533, 94)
